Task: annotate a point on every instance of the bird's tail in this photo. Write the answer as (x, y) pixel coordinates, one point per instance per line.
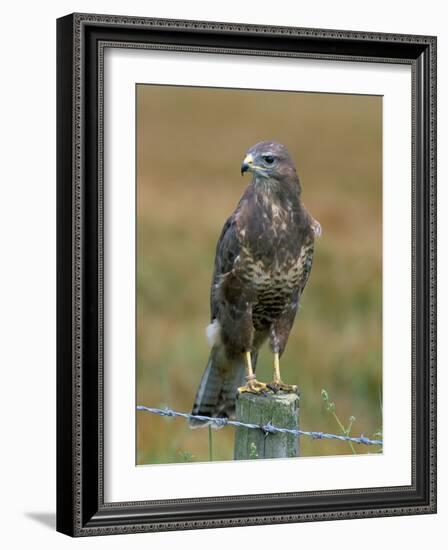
(216, 395)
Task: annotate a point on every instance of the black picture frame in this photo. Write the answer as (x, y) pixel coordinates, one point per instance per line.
(81, 510)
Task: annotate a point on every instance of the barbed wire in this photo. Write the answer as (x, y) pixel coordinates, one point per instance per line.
(266, 428)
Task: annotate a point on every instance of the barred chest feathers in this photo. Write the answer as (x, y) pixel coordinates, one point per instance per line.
(275, 255)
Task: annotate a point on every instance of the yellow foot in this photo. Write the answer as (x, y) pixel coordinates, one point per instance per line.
(278, 385)
(254, 386)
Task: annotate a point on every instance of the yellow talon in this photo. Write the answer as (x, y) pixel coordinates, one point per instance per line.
(253, 385)
(277, 384)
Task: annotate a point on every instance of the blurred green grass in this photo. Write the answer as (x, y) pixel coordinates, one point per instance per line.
(190, 144)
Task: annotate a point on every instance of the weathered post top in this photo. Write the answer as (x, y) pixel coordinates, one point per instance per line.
(281, 410)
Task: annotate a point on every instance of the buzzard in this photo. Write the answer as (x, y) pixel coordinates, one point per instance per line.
(262, 264)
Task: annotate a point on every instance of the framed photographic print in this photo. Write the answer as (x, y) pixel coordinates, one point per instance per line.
(246, 274)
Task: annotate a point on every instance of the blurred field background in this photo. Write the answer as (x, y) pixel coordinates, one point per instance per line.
(190, 145)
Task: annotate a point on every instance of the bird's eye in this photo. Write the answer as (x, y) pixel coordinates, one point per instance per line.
(269, 159)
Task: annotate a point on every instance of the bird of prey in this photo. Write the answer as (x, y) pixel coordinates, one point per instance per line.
(262, 264)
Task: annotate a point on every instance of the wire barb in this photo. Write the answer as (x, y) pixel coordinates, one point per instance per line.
(267, 428)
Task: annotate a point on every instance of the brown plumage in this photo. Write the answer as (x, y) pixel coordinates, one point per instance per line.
(262, 264)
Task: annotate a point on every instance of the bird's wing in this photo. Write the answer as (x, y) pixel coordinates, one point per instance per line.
(227, 250)
(306, 261)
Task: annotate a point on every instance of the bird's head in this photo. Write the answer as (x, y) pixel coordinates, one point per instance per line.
(269, 161)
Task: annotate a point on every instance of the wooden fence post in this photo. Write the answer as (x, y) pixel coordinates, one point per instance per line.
(281, 410)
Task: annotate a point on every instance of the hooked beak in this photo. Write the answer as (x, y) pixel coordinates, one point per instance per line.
(247, 164)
